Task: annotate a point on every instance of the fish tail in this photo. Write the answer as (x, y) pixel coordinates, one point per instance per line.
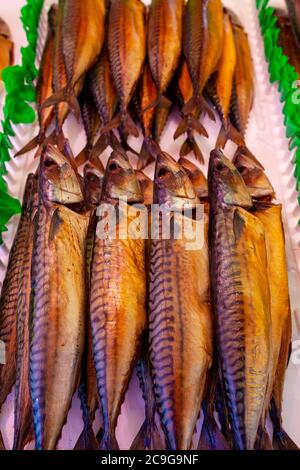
(102, 143)
(281, 440)
(207, 109)
(23, 436)
(35, 142)
(181, 129)
(245, 151)
(65, 95)
(83, 156)
(147, 154)
(229, 132)
(161, 100)
(191, 146)
(263, 441)
(211, 438)
(148, 437)
(122, 119)
(87, 439)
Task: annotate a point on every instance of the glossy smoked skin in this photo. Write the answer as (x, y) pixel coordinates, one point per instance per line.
(180, 334)
(242, 311)
(57, 326)
(118, 319)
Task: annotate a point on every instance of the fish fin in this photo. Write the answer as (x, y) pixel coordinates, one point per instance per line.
(55, 224)
(36, 141)
(207, 109)
(198, 127)
(148, 153)
(161, 100)
(282, 441)
(211, 437)
(21, 439)
(190, 106)
(65, 95)
(181, 129)
(191, 146)
(263, 441)
(102, 143)
(245, 151)
(148, 438)
(122, 119)
(229, 132)
(87, 439)
(129, 125)
(82, 157)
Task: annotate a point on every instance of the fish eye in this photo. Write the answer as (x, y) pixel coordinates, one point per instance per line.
(113, 166)
(49, 163)
(242, 169)
(220, 166)
(163, 172)
(92, 178)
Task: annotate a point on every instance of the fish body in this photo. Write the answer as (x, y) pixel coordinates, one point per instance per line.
(58, 297)
(9, 297)
(180, 322)
(294, 14)
(164, 40)
(146, 94)
(203, 40)
(241, 299)
(269, 214)
(83, 36)
(127, 52)
(23, 425)
(117, 299)
(243, 83)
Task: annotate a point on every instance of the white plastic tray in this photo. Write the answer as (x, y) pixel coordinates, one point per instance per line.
(265, 137)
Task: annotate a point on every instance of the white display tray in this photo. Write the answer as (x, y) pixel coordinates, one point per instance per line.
(265, 137)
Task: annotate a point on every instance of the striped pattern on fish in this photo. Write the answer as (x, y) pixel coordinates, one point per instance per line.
(180, 336)
(118, 317)
(57, 328)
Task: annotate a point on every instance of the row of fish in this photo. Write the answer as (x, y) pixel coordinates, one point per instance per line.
(133, 65)
(208, 328)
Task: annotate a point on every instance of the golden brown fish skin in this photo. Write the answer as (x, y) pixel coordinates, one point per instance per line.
(9, 298)
(127, 51)
(180, 318)
(23, 424)
(58, 297)
(269, 214)
(164, 40)
(286, 39)
(243, 91)
(146, 95)
(117, 300)
(83, 36)
(162, 113)
(203, 40)
(44, 86)
(239, 267)
(226, 69)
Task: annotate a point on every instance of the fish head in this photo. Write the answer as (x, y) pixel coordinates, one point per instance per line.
(172, 185)
(59, 181)
(196, 176)
(258, 184)
(146, 185)
(225, 184)
(4, 29)
(120, 180)
(93, 175)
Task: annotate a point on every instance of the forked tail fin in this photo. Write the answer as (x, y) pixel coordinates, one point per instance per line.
(148, 438)
(65, 95)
